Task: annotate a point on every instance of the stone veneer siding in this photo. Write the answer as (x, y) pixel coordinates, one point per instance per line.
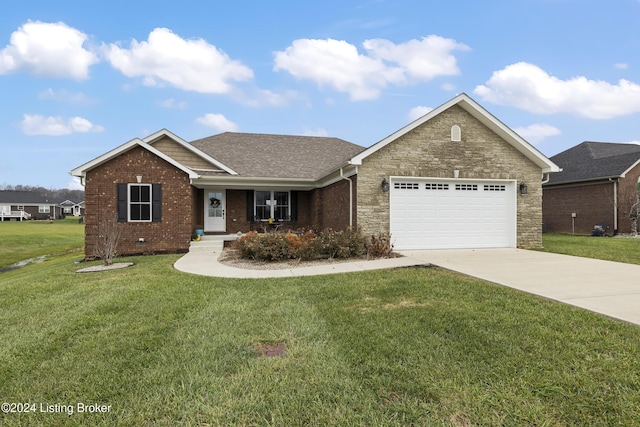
(428, 151)
(171, 235)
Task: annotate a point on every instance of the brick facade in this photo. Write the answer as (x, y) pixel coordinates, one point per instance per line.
(429, 152)
(593, 203)
(172, 234)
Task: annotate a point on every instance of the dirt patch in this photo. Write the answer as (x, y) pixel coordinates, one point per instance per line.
(270, 349)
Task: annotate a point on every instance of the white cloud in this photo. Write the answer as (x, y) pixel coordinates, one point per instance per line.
(315, 132)
(173, 104)
(66, 97)
(218, 122)
(530, 88)
(193, 65)
(74, 184)
(537, 132)
(49, 50)
(54, 126)
(338, 64)
(416, 112)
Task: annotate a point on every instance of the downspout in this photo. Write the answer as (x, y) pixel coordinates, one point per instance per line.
(350, 197)
(545, 180)
(615, 205)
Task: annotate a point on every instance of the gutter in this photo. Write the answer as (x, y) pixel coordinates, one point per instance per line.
(350, 197)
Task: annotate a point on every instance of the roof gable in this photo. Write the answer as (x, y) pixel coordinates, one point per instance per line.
(279, 156)
(81, 171)
(482, 115)
(591, 161)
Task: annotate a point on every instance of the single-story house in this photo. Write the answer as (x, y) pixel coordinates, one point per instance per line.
(455, 178)
(597, 186)
(71, 208)
(21, 205)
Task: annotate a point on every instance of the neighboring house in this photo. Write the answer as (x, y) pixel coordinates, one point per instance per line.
(597, 186)
(70, 208)
(20, 205)
(455, 178)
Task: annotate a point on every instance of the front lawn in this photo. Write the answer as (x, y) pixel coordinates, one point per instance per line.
(20, 240)
(412, 346)
(619, 249)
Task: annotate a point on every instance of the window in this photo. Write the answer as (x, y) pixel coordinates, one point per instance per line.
(456, 133)
(493, 187)
(272, 204)
(406, 185)
(67, 210)
(467, 187)
(44, 209)
(429, 186)
(139, 202)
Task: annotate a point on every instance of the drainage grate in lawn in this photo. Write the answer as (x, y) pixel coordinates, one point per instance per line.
(270, 349)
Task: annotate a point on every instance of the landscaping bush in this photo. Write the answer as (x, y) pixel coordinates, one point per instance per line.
(380, 246)
(308, 246)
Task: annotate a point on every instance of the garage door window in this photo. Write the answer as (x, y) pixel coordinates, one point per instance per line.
(406, 186)
(492, 187)
(466, 187)
(429, 186)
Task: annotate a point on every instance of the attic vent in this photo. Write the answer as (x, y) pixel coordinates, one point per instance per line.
(456, 133)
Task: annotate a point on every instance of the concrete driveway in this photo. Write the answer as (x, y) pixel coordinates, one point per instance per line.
(610, 288)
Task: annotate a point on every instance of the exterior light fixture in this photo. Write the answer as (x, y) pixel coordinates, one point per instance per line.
(523, 188)
(139, 178)
(385, 185)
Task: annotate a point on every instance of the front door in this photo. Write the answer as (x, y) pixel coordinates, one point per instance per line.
(214, 210)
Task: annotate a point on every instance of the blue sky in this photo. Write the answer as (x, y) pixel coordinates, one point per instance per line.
(79, 78)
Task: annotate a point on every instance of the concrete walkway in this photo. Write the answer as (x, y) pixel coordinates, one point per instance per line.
(203, 256)
(605, 287)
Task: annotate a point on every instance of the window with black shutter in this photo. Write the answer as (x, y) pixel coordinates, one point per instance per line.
(139, 202)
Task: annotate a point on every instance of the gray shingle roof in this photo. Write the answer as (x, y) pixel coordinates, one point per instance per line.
(594, 160)
(278, 156)
(24, 197)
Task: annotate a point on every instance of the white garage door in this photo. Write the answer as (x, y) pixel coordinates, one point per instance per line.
(440, 214)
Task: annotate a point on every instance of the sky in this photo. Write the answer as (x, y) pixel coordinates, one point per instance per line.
(79, 78)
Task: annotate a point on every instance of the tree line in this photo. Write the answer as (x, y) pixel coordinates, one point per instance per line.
(59, 195)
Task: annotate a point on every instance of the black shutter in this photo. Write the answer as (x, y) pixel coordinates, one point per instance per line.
(156, 202)
(294, 206)
(249, 205)
(122, 202)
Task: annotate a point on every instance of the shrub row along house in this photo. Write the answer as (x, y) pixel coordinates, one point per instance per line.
(24, 205)
(597, 186)
(455, 178)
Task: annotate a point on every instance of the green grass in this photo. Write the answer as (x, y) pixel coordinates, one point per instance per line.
(30, 239)
(381, 348)
(607, 248)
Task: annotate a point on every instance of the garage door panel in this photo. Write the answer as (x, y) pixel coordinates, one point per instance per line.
(427, 213)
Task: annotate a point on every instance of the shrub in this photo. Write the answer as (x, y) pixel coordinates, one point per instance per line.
(380, 246)
(308, 246)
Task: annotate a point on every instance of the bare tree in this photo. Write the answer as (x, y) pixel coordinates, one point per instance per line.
(629, 203)
(106, 247)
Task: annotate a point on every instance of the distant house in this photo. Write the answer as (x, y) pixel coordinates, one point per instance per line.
(597, 186)
(21, 205)
(455, 178)
(70, 208)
